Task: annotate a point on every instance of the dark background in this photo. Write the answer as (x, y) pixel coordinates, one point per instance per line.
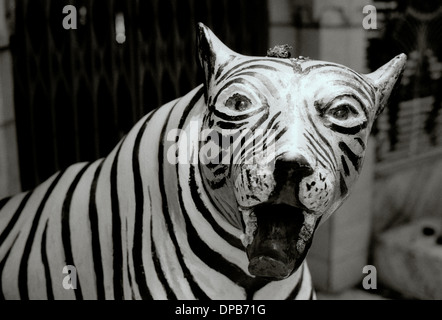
(77, 92)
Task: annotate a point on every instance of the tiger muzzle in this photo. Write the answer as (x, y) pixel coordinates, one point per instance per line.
(282, 236)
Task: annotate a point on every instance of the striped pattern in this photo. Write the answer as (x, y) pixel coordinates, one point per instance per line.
(137, 225)
(102, 218)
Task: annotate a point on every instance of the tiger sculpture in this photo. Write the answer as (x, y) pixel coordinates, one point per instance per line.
(189, 206)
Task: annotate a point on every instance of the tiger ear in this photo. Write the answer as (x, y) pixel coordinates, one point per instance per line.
(386, 79)
(212, 53)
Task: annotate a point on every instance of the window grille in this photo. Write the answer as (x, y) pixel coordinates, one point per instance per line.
(77, 92)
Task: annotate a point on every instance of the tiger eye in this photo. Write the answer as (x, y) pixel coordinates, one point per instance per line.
(240, 105)
(341, 113)
(238, 102)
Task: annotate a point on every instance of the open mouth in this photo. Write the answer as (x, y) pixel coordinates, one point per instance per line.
(277, 238)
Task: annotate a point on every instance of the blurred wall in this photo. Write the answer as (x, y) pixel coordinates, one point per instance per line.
(407, 191)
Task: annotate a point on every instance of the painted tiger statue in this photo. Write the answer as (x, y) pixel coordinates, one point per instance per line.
(215, 195)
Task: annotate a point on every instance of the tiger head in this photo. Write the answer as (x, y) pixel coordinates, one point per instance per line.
(284, 141)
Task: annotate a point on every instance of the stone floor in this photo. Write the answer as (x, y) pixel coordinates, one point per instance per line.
(351, 294)
(358, 293)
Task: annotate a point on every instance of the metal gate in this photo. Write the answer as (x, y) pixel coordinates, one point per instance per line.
(78, 91)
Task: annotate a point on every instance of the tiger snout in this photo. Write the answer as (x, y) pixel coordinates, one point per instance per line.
(280, 210)
(288, 174)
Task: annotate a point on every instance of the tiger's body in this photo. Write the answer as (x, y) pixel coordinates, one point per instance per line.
(141, 224)
(92, 205)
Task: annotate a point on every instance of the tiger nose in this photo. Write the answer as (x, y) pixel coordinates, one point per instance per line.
(292, 168)
(288, 173)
